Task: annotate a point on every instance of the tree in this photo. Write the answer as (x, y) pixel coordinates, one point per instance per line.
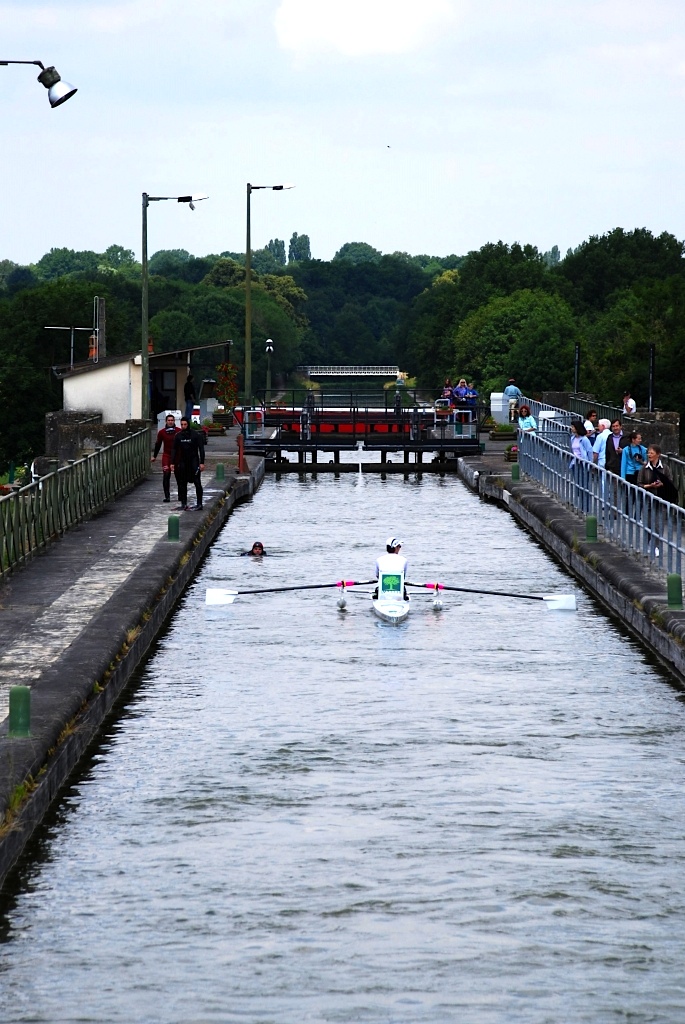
(20, 278)
(116, 256)
(277, 249)
(59, 262)
(299, 248)
(359, 252)
(528, 335)
(606, 264)
(225, 273)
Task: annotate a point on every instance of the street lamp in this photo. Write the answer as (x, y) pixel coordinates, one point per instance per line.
(269, 350)
(58, 91)
(248, 289)
(144, 358)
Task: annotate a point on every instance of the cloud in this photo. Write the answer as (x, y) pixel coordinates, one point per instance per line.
(359, 28)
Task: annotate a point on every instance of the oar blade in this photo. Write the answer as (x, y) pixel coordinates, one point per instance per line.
(219, 595)
(560, 602)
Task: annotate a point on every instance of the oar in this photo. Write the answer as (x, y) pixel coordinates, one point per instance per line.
(559, 602)
(220, 595)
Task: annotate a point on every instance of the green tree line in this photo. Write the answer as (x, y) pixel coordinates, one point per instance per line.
(500, 311)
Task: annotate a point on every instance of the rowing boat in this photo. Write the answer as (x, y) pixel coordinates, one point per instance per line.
(390, 609)
(388, 600)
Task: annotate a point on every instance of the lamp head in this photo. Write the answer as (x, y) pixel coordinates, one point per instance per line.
(269, 345)
(191, 200)
(58, 91)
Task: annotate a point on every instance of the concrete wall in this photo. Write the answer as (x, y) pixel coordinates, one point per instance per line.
(113, 391)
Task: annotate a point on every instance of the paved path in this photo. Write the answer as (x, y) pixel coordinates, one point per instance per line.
(48, 604)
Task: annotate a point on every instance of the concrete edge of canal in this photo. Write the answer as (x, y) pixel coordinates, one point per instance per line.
(629, 590)
(77, 693)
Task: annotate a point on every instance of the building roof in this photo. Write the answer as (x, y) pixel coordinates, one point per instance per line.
(66, 370)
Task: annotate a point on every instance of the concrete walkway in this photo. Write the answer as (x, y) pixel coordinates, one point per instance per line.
(47, 605)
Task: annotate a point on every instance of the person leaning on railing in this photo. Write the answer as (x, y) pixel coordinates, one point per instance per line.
(656, 478)
(526, 421)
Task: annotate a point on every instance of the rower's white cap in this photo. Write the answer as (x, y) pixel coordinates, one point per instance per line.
(393, 542)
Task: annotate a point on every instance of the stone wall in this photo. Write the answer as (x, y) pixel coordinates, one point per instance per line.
(71, 435)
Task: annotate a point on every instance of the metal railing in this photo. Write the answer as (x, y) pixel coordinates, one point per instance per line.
(627, 515)
(581, 407)
(35, 515)
(349, 371)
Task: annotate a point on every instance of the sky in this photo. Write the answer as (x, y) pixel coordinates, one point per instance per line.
(422, 126)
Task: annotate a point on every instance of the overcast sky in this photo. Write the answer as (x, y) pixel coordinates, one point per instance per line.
(428, 126)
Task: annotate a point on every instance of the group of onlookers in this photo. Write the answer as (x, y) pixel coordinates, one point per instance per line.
(461, 394)
(604, 443)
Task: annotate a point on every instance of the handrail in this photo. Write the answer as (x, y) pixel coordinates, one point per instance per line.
(627, 515)
(37, 514)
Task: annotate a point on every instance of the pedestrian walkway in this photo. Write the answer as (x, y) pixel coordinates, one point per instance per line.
(51, 602)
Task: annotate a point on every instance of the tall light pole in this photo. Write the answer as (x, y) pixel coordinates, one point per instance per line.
(269, 350)
(58, 91)
(248, 289)
(144, 357)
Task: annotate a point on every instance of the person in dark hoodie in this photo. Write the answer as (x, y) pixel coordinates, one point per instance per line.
(188, 461)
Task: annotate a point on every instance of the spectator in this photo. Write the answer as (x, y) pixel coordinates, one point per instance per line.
(447, 389)
(580, 444)
(629, 407)
(656, 478)
(614, 448)
(460, 391)
(514, 395)
(471, 394)
(600, 444)
(189, 395)
(591, 424)
(633, 458)
(526, 421)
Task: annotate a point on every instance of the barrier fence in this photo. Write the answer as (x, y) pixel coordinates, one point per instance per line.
(626, 514)
(35, 515)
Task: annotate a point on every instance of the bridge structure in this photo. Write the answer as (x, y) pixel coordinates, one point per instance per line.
(387, 372)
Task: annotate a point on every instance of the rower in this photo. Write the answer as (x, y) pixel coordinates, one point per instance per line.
(391, 570)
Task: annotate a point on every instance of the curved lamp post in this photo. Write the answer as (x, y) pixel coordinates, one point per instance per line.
(144, 356)
(248, 289)
(58, 91)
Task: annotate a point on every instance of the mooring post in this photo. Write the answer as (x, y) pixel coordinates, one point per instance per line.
(174, 528)
(515, 471)
(220, 472)
(20, 711)
(674, 583)
(591, 528)
(242, 468)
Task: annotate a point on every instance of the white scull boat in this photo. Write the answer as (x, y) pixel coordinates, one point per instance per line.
(390, 609)
(388, 600)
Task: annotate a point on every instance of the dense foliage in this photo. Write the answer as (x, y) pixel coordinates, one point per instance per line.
(501, 311)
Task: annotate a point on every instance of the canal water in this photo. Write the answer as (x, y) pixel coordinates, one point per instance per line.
(304, 815)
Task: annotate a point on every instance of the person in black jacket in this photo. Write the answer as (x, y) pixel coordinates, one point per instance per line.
(188, 461)
(189, 395)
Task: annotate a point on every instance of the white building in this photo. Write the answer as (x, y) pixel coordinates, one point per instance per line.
(112, 386)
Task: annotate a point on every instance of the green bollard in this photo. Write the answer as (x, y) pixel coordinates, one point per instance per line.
(515, 471)
(174, 528)
(591, 528)
(674, 583)
(20, 711)
(220, 472)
